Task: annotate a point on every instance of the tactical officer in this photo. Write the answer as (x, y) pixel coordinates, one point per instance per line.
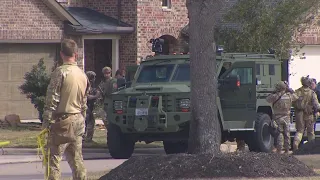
(94, 94)
(305, 107)
(107, 86)
(64, 112)
(281, 100)
(121, 80)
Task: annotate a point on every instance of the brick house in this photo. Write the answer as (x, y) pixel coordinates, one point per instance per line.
(113, 33)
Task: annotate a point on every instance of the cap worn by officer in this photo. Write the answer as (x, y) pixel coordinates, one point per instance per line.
(280, 86)
(91, 74)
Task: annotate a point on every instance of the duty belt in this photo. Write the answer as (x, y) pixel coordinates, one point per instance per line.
(63, 116)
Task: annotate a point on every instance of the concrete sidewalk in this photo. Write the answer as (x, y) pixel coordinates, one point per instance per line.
(23, 155)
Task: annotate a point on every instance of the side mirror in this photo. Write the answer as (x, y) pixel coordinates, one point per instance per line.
(231, 82)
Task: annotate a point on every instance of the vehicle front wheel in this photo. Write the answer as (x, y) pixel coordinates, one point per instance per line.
(262, 140)
(120, 145)
(176, 147)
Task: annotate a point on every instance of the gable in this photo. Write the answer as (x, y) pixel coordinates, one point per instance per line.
(29, 20)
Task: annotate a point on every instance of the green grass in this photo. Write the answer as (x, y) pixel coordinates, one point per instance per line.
(26, 137)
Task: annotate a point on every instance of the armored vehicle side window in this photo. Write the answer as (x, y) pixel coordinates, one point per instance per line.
(257, 69)
(271, 69)
(245, 75)
(182, 73)
(155, 73)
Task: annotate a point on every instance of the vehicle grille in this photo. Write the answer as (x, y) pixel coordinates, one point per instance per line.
(167, 104)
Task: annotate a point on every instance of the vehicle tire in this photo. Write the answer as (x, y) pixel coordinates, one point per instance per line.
(171, 147)
(263, 140)
(251, 142)
(120, 145)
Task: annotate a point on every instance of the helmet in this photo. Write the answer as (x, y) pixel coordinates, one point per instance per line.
(91, 75)
(280, 86)
(306, 81)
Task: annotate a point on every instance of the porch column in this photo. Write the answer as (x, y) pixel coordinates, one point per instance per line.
(115, 56)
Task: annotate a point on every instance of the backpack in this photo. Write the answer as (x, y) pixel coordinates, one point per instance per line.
(303, 103)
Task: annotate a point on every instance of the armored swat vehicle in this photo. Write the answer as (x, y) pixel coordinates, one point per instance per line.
(157, 105)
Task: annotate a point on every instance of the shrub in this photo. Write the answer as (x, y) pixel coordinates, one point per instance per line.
(35, 86)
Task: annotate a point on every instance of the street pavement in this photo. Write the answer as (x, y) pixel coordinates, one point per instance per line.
(35, 171)
(25, 164)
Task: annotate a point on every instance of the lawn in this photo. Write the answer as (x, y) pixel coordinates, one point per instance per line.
(26, 137)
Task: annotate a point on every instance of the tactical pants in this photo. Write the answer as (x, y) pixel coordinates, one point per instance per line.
(90, 123)
(105, 121)
(240, 145)
(303, 121)
(73, 153)
(283, 139)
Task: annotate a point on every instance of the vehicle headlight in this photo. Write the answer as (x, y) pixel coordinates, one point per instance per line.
(185, 103)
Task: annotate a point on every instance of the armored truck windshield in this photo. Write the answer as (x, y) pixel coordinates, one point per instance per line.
(164, 73)
(174, 72)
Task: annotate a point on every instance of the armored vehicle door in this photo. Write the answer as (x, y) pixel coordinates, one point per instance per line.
(238, 102)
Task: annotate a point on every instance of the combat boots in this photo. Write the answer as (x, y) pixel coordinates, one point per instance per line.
(295, 146)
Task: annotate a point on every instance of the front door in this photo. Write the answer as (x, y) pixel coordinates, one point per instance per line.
(239, 105)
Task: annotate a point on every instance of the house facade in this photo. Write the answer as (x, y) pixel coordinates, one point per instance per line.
(113, 33)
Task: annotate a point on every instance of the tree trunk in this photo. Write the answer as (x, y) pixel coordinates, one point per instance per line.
(205, 131)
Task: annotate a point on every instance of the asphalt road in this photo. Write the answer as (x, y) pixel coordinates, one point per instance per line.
(94, 162)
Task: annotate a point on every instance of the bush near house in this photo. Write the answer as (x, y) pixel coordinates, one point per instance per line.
(35, 86)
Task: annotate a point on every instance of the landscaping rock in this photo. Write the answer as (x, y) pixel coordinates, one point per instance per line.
(227, 165)
(312, 147)
(13, 120)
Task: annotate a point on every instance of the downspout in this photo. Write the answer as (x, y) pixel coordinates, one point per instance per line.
(119, 12)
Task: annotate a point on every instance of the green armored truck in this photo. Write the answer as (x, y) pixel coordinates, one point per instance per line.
(156, 107)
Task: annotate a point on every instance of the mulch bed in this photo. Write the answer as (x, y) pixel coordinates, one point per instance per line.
(231, 165)
(312, 147)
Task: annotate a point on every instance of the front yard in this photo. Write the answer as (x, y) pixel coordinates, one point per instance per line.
(26, 137)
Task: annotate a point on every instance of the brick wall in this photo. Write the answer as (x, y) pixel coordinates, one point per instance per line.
(128, 43)
(30, 19)
(77, 3)
(155, 21)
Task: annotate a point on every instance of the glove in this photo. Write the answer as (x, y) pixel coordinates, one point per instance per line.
(46, 124)
(290, 90)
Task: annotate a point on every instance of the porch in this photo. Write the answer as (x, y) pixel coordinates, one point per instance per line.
(100, 37)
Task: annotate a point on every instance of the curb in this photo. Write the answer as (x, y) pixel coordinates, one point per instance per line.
(34, 151)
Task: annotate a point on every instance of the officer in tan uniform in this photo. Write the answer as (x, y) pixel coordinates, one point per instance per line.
(64, 112)
(305, 107)
(107, 86)
(281, 100)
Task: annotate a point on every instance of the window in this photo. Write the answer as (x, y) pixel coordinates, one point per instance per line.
(257, 69)
(166, 4)
(245, 75)
(182, 73)
(155, 73)
(271, 69)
